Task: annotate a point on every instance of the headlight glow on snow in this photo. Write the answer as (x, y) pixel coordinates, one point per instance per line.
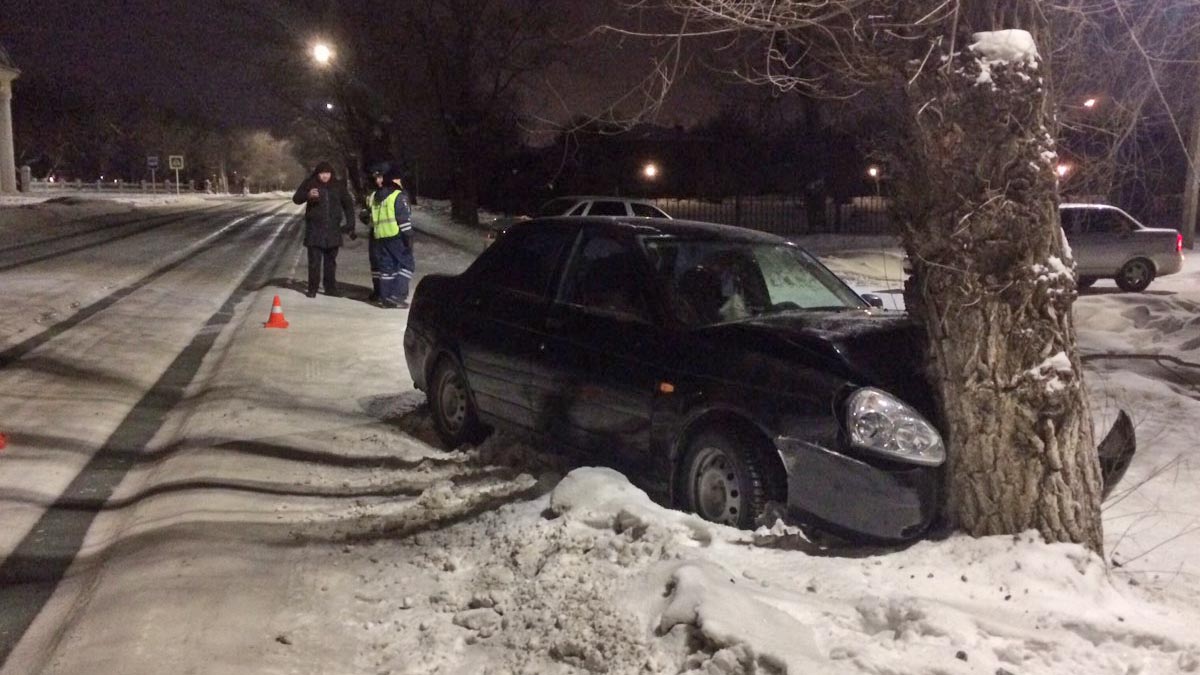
(879, 422)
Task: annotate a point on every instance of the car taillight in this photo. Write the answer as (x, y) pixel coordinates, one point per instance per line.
(1179, 243)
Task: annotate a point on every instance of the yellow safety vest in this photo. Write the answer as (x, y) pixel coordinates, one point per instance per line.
(383, 216)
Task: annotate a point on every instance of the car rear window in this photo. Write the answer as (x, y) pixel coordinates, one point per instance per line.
(524, 260)
(555, 207)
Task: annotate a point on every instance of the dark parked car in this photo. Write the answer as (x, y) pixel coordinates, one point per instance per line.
(728, 361)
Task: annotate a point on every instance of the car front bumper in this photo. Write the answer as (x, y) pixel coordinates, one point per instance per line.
(855, 499)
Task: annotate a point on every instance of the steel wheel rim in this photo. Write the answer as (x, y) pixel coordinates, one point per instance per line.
(452, 401)
(1136, 273)
(715, 487)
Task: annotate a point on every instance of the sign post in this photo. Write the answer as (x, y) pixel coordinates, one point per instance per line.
(152, 164)
(175, 162)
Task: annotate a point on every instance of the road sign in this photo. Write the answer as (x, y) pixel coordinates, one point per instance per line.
(152, 162)
(175, 162)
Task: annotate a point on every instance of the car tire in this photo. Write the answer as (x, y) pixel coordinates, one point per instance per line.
(723, 479)
(1086, 282)
(454, 416)
(1135, 275)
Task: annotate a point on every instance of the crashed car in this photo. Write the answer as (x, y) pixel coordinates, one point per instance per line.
(729, 363)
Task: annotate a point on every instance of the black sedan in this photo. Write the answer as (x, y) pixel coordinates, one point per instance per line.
(730, 362)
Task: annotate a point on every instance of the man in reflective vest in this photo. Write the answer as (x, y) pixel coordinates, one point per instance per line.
(391, 226)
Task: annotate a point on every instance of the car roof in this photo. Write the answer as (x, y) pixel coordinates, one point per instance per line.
(663, 227)
(608, 198)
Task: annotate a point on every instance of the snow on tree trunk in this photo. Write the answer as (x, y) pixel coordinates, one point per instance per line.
(994, 286)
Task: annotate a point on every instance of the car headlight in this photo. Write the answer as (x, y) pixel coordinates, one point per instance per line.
(882, 423)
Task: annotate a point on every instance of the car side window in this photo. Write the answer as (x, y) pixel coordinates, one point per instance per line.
(1104, 221)
(579, 210)
(608, 208)
(524, 260)
(604, 276)
(646, 211)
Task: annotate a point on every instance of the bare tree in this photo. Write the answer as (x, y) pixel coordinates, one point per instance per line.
(972, 160)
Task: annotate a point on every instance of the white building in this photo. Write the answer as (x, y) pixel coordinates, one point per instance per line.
(8, 163)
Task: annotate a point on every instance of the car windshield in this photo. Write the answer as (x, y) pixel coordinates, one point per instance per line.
(708, 282)
(556, 207)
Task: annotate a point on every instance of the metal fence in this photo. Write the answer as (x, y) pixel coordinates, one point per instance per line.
(781, 214)
(116, 186)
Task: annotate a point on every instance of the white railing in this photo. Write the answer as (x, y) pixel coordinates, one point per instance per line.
(118, 186)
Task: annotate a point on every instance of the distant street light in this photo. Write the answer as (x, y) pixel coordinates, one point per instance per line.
(1090, 103)
(650, 171)
(1062, 169)
(873, 171)
(329, 106)
(322, 54)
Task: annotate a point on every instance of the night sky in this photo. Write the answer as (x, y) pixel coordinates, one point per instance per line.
(183, 55)
(198, 57)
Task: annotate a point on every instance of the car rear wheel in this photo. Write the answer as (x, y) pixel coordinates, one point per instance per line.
(1086, 282)
(1135, 275)
(724, 480)
(453, 408)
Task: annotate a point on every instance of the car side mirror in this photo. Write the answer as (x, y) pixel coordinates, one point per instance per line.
(873, 300)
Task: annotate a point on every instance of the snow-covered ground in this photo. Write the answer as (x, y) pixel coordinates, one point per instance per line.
(293, 514)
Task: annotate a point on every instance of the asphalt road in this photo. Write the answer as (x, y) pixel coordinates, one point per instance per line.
(107, 324)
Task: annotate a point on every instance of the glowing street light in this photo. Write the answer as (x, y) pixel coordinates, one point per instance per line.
(650, 171)
(322, 54)
(1062, 169)
(329, 106)
(1090, 103)
(873, 171)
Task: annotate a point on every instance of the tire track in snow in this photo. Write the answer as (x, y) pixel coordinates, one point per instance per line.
(30, 575)
(17, 351)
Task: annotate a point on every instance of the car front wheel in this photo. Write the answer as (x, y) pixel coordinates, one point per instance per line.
(453, 408)
(724, 480)
(1135, 275)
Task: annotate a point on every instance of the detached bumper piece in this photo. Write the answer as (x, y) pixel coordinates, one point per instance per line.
(855, 499)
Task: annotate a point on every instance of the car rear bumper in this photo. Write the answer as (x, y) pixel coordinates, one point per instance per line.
(1165, 265)
(855, 499)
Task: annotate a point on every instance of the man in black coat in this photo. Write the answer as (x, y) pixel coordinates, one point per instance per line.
(329, 213)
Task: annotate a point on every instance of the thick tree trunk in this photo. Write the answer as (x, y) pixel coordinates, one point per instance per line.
(1191, 186)
(994, 285)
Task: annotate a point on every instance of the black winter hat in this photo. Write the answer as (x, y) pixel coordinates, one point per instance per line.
(393, 173)
(323, 167)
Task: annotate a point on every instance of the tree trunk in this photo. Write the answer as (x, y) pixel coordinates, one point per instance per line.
(994, 285)
(1191, 186)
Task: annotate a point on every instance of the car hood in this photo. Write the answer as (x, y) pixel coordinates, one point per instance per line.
(866, 347)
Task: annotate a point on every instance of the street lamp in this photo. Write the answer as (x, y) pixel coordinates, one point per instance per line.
(329, 106)
(650, 171)
(1062, 169)
(322, 54)
(874, 173)
(1090, 102)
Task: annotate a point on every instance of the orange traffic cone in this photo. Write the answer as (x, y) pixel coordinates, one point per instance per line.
(277, 320)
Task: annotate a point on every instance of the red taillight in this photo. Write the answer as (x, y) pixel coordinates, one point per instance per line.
(1179, 243)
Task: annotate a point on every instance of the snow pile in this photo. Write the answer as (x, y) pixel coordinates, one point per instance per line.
(1003, 47)
(596, 577)
(1053, 371)
(1054, 270)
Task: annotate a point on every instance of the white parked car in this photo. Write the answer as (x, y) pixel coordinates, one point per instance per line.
(584, 205)
(1110, 244)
